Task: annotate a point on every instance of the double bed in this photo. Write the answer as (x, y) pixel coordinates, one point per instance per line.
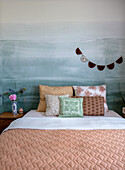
(44, 142)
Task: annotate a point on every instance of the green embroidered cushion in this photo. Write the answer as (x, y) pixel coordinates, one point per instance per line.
(71, 107)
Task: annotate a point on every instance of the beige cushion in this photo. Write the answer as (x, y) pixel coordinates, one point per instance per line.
(53, 104)
(51, 90)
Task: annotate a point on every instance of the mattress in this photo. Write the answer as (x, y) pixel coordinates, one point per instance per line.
(34, 113)
(39, 142)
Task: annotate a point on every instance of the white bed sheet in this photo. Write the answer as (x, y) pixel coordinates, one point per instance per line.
(34, 113)
(38, 120)
(53, 123)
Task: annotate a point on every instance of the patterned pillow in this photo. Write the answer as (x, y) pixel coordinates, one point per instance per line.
(92, 106)
(92, 91)
(53, 104)
(52, 90)
(71, 107)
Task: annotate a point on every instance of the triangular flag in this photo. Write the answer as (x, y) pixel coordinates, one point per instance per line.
(78, 52)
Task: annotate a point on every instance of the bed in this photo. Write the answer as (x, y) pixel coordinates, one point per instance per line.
(40, 142)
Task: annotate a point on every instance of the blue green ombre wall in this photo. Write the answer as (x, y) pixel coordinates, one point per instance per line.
(33, 53)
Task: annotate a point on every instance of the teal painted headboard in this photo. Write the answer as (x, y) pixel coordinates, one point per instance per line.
(27, 60)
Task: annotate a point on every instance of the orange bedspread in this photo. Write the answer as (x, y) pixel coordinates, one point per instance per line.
(62, 149)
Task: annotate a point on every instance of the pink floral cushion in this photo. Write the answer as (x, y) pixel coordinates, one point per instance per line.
(92, 91)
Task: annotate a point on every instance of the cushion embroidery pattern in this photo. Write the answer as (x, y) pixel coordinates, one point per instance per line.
(53, 104)
(71, 106)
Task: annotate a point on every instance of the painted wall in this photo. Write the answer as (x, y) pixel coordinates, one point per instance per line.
(38, 39)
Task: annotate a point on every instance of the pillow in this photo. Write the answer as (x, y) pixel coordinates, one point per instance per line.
(92, 106)
(92, 91)
(71, 107)
(52, 90)
(53, 104)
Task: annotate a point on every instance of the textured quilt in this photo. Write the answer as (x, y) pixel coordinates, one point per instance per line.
(29, 149)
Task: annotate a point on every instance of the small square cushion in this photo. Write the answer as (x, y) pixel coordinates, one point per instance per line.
(92, 106)
(71, 107)
(51, 90)
(92, 91)
(53, 104)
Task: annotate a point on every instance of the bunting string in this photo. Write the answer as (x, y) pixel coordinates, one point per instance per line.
(99, 67)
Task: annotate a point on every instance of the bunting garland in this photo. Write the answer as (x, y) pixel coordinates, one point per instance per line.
(99, 67)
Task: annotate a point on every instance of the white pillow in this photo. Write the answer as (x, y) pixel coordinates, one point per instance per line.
(92, 91)
(53, 104)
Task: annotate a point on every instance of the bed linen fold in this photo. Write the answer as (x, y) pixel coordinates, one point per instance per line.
(52, 123)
